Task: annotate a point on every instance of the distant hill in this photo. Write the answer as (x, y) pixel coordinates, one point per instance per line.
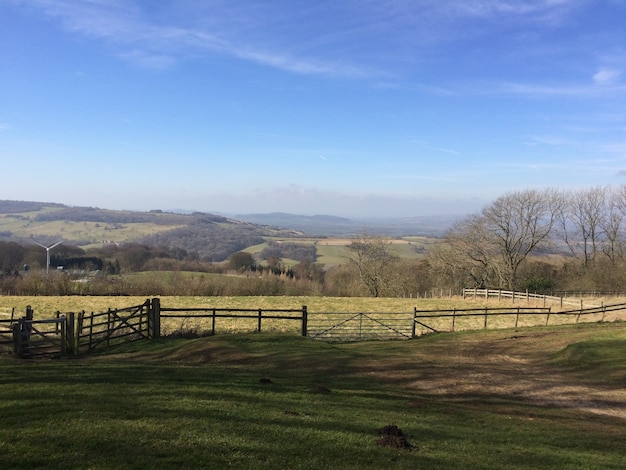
(328, 225)
(211, 237)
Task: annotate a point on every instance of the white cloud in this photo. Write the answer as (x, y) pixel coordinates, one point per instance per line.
(606, 76)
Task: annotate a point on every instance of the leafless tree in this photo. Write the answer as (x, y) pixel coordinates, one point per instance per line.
(517, 224)
(465, 255)
(613, 224)
(581, 222)
(373, 260)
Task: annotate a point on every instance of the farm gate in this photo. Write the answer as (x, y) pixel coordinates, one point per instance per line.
(75, 332)
(345, 327)
(94, 330)
(30, 337)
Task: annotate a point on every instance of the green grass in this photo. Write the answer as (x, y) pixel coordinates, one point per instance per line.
(598, 359)
(202, 404)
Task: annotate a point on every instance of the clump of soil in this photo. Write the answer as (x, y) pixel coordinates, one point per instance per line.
(392, 436)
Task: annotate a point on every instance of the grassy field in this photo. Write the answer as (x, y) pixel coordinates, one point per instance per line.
(541, 398)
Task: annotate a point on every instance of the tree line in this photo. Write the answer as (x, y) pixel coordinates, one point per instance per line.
(541, 240)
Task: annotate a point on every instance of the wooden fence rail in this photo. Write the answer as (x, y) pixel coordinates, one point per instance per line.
(212, 314)
(74, 333)
(519, 296)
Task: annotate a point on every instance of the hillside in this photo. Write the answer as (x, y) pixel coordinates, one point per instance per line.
(210, 236)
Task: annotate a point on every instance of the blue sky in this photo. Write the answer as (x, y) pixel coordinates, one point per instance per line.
(345, 107)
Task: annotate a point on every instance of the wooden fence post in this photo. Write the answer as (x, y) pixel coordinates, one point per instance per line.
(453, 318)
(154, 318)
(109, 327)
(63, 334)
(259, 321)
(486, 313)
(415, 314)
(213, 323)
(70, 336)
(17, 338)
(305, 320)
(517, 317)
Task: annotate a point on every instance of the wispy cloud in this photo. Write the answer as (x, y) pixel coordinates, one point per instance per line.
(424, 145)
(137, 38)
(606, 76)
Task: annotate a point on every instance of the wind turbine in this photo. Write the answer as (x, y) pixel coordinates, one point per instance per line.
(48, 248)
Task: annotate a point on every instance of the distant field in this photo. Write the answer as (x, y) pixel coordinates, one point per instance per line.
(331, 251)
(83, 233)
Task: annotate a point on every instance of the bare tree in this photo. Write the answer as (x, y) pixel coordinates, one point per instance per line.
(517, 224)
(465, 254)
(581, 222)
(613, 223)
(374, 261)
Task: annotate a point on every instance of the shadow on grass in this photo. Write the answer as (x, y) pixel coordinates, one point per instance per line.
(275, 401)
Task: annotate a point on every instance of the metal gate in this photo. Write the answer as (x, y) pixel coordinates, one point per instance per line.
(346, 327)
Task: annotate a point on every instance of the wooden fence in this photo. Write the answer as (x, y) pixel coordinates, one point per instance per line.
(193, 321)
(7, 318)
(514, 296)
(74, 333)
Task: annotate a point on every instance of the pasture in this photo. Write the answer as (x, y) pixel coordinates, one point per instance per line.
(533, 398)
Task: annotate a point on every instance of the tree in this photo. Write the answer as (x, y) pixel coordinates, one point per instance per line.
(582, 221)
(491, 246)
(374, 261)
(241, 261)
(517, 224)
(465, 255)
(613, 225)
(11, 257)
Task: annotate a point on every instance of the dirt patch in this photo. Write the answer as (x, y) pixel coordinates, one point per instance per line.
(500, 366)
(392, 436)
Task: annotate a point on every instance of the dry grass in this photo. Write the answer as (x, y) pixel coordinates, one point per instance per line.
(324, 313)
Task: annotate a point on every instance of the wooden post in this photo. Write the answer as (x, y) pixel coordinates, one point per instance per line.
(63, 334)
(69, 335)
(548, 318)
(79, 330)
(413, 320)
(17, 338)
(259, 321)
(517, 317)
(90, 331)
(305, 320)
(213, 323)
(486, 313)
(453, 318)
(109, 327)
(154, 318)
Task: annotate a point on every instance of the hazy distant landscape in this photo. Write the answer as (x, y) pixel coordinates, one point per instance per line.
(213, 237)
